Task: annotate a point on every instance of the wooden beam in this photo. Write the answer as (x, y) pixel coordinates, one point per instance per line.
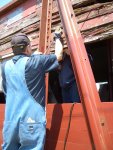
(96, 26)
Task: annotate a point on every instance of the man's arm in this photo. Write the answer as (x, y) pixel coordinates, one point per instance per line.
(58, 49)
(58, 43)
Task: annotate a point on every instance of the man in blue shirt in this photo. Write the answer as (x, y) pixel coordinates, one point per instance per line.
(67, 80)
(24, 87)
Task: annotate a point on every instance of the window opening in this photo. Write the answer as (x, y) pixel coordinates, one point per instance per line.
(99, 52)
(54, 95)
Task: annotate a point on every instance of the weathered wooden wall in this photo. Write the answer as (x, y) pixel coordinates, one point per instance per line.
(95, 21)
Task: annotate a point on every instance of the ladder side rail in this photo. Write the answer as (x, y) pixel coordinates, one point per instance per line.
(45, 33)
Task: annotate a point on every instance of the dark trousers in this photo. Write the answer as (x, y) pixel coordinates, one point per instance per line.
(70, 94)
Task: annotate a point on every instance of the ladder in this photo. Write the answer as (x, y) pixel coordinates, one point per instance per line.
(90, 101)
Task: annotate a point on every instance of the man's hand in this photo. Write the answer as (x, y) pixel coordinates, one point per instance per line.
(58, 33)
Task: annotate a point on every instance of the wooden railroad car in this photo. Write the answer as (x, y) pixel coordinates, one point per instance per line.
(69, 125)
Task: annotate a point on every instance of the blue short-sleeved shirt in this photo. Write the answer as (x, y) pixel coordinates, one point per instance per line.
(35, 69)
(66, 74)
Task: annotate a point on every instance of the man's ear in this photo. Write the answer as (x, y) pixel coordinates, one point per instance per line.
(29, 50)
(26, 49)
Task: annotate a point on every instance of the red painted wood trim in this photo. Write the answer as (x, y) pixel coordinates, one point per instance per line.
(10, 6)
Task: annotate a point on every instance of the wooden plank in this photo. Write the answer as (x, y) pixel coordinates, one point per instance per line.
(55, 20)
(96, 9)
(98, 34)
(78, 136)
(96, 22)
(29, 20)
(97, 26)
(56, 134)
(27, 13)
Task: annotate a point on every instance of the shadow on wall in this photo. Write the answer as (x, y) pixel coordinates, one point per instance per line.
(53, 133)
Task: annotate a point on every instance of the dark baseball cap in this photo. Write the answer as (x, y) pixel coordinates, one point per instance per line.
(20, 40)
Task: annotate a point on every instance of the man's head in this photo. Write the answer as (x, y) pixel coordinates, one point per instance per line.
(21, 44)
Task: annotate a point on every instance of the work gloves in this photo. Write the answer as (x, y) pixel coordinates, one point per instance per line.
(58, 34)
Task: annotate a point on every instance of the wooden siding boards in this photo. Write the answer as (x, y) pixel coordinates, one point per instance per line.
(95, 22)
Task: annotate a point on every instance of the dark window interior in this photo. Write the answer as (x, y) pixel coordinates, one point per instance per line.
(102, 1)
(2, 98)
(100, 53)
(54, 94)
(100, 60)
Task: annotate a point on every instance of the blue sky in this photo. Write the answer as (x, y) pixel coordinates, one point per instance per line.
(4, 2)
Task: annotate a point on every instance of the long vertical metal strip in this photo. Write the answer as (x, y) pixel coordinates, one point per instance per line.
(45, 32)
(85, 80)
(45, 25)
